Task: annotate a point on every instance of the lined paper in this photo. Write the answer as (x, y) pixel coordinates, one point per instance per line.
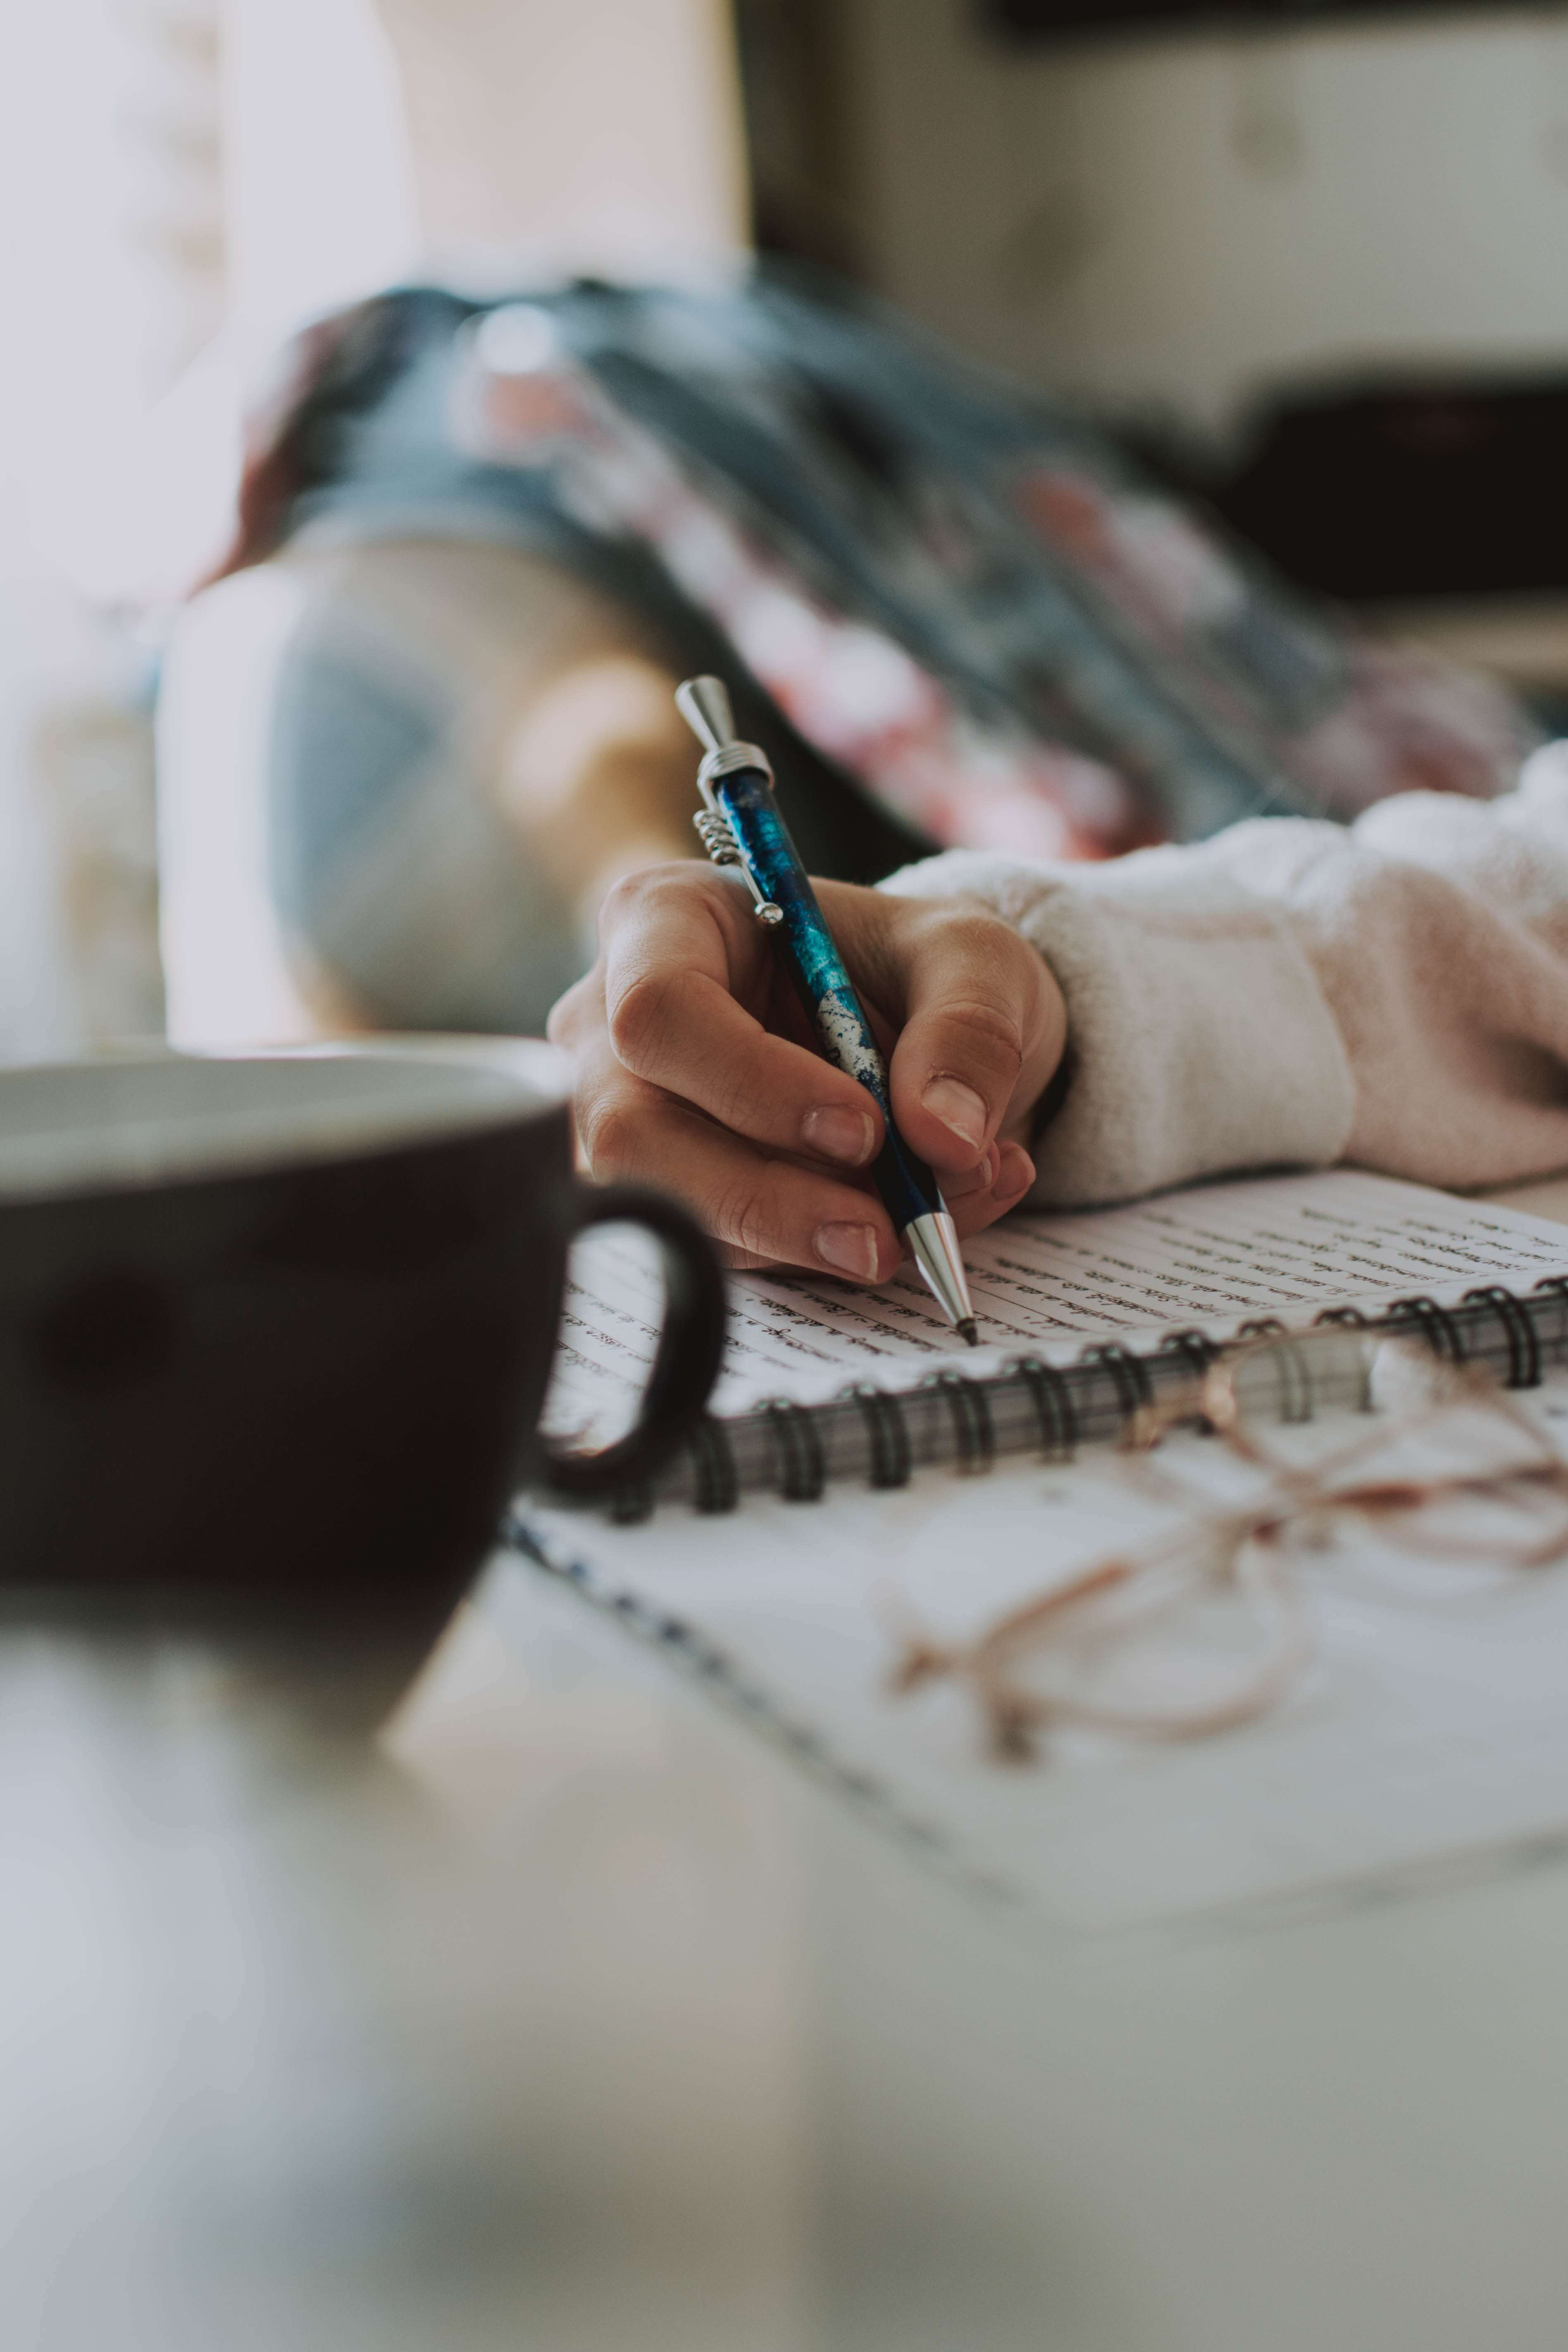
(1208, 1258)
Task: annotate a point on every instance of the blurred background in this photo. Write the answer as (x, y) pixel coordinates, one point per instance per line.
(626, 2023)
(1311, 262)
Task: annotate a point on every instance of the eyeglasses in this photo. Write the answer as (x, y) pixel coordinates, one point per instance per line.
(1205, 1624)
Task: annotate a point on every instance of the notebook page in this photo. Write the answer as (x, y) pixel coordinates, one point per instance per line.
(1210, 1257)
(1431, 1733)
(1427, 1740)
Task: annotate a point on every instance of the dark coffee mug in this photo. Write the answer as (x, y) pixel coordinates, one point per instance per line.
(277, 1328)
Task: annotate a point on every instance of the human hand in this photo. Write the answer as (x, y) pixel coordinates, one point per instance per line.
(694, 1067)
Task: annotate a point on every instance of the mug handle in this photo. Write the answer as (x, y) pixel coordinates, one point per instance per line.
(690, 1344)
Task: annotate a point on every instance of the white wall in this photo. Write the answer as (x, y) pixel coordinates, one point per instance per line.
(583, 133)
(1184, 218)
(365, 140)
(321, 206)
(110, 274)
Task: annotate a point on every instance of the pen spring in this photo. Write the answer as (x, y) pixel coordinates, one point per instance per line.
(717, 835)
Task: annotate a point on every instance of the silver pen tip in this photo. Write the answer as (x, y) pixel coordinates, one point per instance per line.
(932, 1240)
(969, 1333)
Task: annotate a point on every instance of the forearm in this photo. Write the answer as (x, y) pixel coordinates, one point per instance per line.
(596, 780)
(1199, 1037)
(1293, 993)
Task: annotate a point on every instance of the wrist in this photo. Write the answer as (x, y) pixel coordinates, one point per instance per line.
(1202, 1040)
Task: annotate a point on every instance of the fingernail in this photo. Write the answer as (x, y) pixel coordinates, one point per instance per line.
(978, 1179)
(849, 1249)
(1017, 1175)
(959, 1108)
(847, 1135)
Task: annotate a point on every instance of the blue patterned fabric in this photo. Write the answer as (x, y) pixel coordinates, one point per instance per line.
(955, 595)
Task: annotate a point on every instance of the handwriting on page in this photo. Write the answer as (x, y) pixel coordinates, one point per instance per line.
(1210, 1257)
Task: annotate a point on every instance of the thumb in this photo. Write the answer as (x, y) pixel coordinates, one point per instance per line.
(983, 1029)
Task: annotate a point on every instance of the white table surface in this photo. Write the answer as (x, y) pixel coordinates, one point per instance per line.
(569, 2017)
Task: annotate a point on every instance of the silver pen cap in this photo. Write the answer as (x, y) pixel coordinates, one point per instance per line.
(704, 704)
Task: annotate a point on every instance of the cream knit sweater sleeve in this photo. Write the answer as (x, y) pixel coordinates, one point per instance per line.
(1293, 992)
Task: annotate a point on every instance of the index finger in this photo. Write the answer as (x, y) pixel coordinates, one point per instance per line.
(674, 956)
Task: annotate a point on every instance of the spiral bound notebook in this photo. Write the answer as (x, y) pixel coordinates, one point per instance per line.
(1427, 1740)
(1087, 1316)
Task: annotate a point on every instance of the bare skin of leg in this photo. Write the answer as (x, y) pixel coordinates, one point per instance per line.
(567, 725)
(597, 777)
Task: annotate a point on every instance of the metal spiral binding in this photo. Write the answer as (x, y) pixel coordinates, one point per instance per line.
(886, 1431)
(631, 1504)
(716, 1487)
(1053, 1403)
(803, 1472)
(973, 1431)
(1130, 1379)
(1194, 1350)
(1436, 1325)
(796, 1450)
(1524, 1348)
(1295, 1399)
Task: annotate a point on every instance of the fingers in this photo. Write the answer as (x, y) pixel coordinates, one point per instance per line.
(972, 1028)
(973, 1210)
(672, 988)
(962, 1182)
(761, 1206)
(681, 1079)
(981, 1028)
(976, 1200)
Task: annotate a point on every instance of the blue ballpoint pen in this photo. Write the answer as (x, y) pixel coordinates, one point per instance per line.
(740, 825)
